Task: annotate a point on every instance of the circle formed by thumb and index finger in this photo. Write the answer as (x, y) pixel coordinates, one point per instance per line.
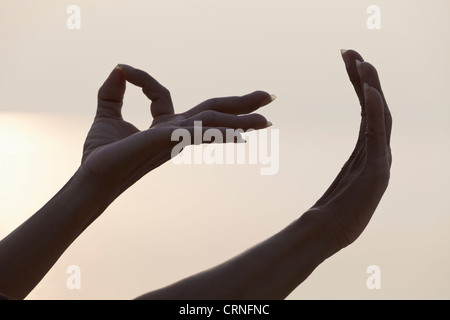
(157, 93)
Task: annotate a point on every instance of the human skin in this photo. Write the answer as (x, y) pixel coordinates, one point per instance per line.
(116, 155)
(276, 266)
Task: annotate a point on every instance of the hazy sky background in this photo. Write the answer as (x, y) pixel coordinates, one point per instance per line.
(179, 220)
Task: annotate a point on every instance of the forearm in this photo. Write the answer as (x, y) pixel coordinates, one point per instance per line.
(29, 252)
(270, 270)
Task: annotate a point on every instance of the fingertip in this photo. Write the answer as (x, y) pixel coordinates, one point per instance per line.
(258, 121)
(124, 68)
(369, 74)
(257, 99)
(110, 94)
(351, 55)
(371, 90)
(253, 121)
(114, 84)
(118, 70)
(128, 72)
(266, 97)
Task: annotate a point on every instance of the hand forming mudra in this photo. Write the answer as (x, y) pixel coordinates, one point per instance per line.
(116, 154)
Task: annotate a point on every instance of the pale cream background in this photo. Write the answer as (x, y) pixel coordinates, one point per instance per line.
(180, 220)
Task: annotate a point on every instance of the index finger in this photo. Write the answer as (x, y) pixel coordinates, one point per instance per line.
(158, 94)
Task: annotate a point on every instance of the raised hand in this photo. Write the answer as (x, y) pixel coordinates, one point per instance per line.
(348, 204)
(116, 154)
(276, 266)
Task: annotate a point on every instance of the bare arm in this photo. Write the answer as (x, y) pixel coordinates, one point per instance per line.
(275, 267)
(116, 155)
(28, 252)
(270, 270)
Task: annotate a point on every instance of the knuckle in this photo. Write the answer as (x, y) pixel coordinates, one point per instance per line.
(165, 91)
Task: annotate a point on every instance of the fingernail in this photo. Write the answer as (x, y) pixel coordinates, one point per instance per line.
(268, 124)
(268, 100)
(343, 51)
(119, 67)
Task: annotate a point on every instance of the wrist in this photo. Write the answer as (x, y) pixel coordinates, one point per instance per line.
(85, 196)
(317, 222)
(93, 190)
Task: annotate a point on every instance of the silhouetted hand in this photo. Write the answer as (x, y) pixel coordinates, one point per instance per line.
(273, 268)
(116, 154)
(348, 204)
